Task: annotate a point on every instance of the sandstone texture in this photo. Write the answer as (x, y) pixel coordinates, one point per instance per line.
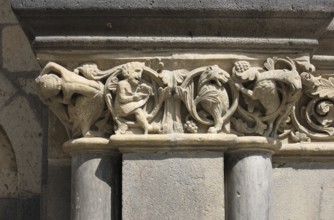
(173, 186)
(6, 14)
(303, 191)
(16, 51)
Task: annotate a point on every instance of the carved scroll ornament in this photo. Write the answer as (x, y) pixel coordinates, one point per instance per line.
(144, 98)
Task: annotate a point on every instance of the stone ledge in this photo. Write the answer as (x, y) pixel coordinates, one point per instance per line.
(305, 151)
(189, 19)
(133, 42)
(217, 7)
(172, 142)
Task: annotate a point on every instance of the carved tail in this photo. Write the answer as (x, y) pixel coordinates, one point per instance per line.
(288, 77)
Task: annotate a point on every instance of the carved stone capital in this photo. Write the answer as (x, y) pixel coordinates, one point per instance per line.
(279, 97)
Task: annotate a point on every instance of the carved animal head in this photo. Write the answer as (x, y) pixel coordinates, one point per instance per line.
(88, 70)
(308, 80)
(214, 75)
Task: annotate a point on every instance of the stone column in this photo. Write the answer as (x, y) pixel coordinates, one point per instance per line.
(248, 180)
(95, 182)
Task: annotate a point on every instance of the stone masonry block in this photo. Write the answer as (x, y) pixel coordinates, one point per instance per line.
(303, 191)
(16, 52)
(25, 134)
(173, 186)
(6, 13)
(7, 90)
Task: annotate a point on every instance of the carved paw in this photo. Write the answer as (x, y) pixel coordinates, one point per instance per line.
(213, 130)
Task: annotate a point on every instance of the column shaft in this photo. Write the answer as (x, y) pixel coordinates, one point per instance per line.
(95, 181)
(248, 178)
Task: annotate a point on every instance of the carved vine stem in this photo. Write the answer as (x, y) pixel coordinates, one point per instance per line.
(143, 98)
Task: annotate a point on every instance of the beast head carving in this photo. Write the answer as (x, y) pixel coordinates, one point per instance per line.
(214, 75)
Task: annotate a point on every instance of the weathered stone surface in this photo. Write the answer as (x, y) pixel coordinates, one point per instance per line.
(6, 14)
(25, 134)
(28, 208)
(7, 90)
(28, 85)
(173, 186)
(20, 208)
(184, 23)
(8, 168)
(58, 187)
(17, 54)
(95, 187)
(8, 209)
(56, 137)
(303, 191)
(248, 185)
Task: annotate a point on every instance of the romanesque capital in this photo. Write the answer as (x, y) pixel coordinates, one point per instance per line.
(282, 98)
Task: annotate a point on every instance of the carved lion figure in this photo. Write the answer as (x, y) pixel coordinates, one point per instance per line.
(213, 96)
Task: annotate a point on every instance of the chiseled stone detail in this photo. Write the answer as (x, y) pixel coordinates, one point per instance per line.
(144, 98)
(314, 118)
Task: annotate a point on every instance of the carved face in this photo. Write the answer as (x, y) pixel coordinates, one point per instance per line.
(135, 75)
(133, 72)
(49, 85)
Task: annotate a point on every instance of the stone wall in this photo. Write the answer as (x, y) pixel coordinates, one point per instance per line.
(21, 124)
(303, 191)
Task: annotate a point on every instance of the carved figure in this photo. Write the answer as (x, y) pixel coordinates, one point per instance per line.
(144, 98)
(211, 95)
(78, 102)
(263, 92)
(132, 94)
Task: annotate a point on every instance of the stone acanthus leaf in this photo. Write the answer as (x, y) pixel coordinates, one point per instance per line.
(144, 98)
(315, 115)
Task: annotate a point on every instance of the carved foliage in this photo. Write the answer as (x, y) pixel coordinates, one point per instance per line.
(268, 95)
(144, 98)
(314, 116)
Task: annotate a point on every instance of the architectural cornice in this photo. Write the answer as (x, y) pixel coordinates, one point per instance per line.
(174, 24)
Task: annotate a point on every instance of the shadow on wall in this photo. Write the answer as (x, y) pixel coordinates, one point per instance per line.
(8, 167)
